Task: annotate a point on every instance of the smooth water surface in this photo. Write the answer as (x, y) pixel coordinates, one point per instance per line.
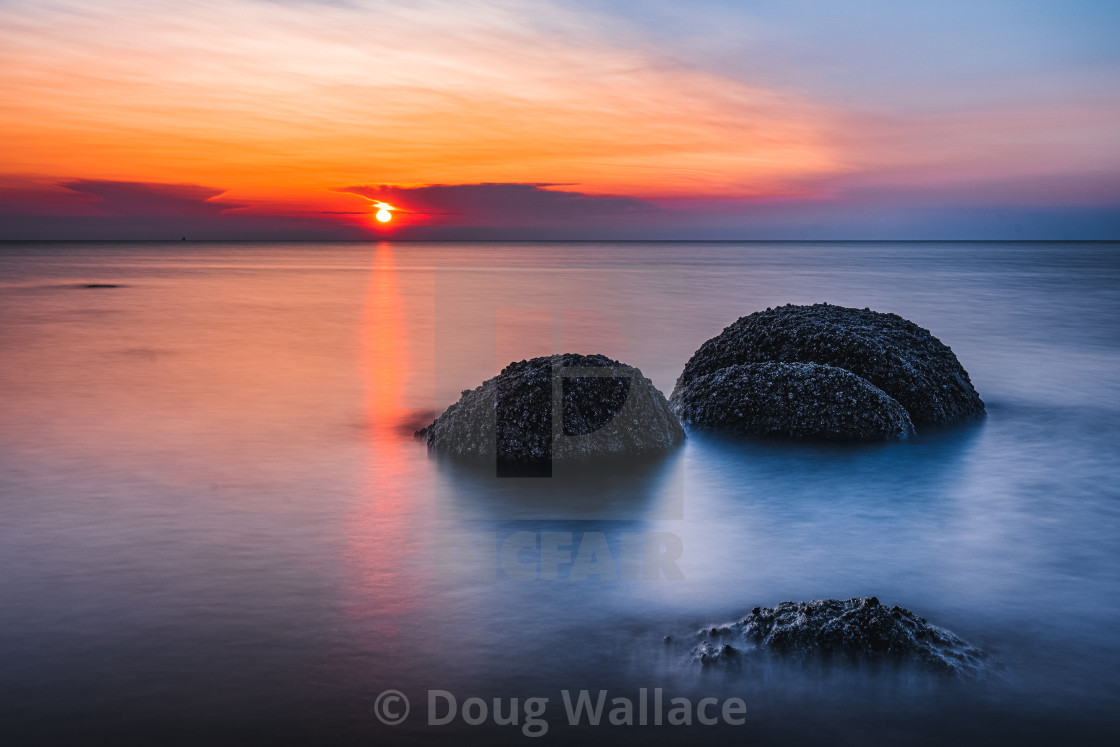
(216, 525)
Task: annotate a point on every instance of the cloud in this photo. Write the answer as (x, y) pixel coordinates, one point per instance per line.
(501, 205)
(1051, 207)
(775, 112)
(280, 99)
(150, 199)
(107, 209)
(28, 197)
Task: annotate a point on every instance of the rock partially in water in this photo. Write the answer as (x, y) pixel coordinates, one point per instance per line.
(797, 400)
(896, 355)
(857, 630)
(560, 407)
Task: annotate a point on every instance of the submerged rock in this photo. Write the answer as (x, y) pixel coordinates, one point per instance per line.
(894, 354)
(560, 407)
(798, 400)
(859, 629)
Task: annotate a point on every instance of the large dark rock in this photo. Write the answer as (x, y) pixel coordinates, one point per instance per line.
(896, 355)
(857, 630)
(798, 400)
(555, 408)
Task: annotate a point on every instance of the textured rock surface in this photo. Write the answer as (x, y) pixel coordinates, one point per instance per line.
(798, 400)
(859, 629)
(563, 407)
(896, 355)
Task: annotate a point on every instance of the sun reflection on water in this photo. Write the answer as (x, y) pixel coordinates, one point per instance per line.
(383, 535)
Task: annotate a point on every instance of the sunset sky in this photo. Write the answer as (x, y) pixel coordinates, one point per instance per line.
(491, 119)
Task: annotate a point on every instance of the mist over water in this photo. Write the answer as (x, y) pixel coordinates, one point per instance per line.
(217, 524)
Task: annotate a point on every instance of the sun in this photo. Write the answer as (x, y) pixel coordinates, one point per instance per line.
(383, 214)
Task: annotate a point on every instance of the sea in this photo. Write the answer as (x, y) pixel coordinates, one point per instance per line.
(218, 527)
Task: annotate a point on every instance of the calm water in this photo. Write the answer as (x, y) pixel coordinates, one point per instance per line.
(216, 526)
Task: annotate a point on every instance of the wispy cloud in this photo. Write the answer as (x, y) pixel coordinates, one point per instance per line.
(106, 209)
(284, 100)
(500, 204)
(150, 199)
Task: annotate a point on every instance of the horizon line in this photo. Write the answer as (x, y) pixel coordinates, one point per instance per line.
(557, 241)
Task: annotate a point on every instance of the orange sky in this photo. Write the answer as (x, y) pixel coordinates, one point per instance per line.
(260, 103)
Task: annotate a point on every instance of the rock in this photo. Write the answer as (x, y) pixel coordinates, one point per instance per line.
(859, 629)
(896, 355)
(798, 400)
(556, 408)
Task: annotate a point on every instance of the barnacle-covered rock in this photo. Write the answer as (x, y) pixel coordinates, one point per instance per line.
(558, 408)
(798, 400)
(859, 629)
(894, 354)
